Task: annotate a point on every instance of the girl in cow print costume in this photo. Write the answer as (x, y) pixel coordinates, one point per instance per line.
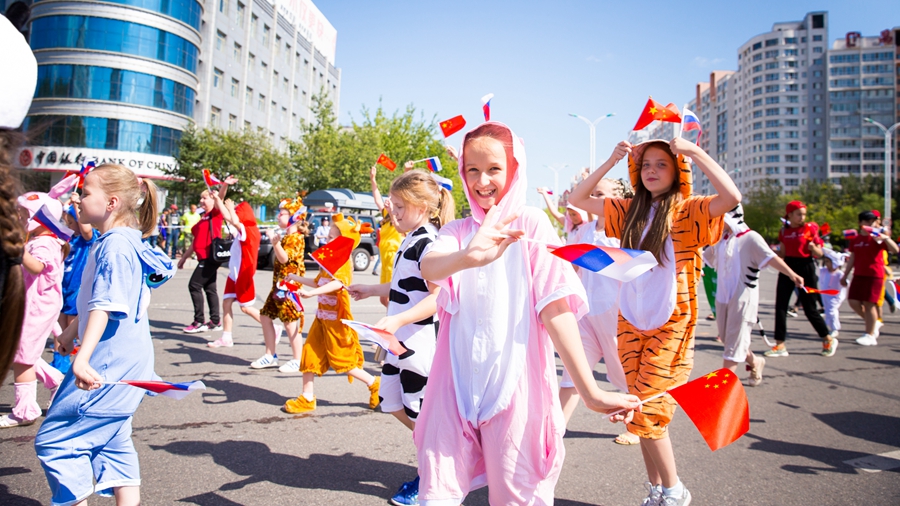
(419, 206)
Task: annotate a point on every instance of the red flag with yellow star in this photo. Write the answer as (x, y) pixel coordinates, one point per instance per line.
(334, 255)
(654, 111)
(452, 125)
(717, 405)
(386, 162)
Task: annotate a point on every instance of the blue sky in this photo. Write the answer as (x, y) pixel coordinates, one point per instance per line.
(543, 60)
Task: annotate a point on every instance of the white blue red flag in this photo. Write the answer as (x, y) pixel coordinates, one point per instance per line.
(486, 106)
(210, 179)
(433, 163)
(874, 231)
(443, 182)
(690, 121)
(617, 263)
(174, 390)
(297, 216)
(379, 337)
(46, 219)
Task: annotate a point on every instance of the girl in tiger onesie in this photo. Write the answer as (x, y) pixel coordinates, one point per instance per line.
(658, 310)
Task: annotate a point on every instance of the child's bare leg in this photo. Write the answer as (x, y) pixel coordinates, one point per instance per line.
(308, 380)
(268, 328)
(361, 375)
(870, 314)
(404, 419)
(661, 462)
(24, 373)
(227, 314)
(568, 398)
(856, 306)
(251, 311)
(295, 337)
(731, 366)
(127, 496)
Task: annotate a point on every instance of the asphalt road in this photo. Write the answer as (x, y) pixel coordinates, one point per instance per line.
(232, 445)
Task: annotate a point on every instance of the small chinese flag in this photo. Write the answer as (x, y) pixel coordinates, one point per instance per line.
(452, 125)
(386, 162)
(334, 255)
(654, 111)
(717, 405)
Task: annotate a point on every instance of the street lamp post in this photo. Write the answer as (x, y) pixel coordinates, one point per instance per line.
(888, 180)
(556, 168)
(592, 126)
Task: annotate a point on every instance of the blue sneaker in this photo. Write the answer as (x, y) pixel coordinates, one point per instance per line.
(408, 495)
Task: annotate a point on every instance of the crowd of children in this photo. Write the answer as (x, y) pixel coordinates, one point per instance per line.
(479, 304)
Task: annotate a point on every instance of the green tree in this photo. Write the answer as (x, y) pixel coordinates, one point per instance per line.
(329, 156)
(264, 173)
(763, 206)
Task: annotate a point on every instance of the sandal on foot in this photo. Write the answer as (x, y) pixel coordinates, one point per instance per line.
(7, 422)
(627, 439)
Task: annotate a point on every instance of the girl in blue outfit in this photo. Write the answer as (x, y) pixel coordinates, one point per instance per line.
(79, 248)
(87, 433)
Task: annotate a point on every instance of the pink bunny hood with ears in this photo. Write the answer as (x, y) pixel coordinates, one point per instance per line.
(514, 199)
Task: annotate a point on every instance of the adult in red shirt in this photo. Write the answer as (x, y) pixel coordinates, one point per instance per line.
(799, 245)
(867, 260)
(204, 277)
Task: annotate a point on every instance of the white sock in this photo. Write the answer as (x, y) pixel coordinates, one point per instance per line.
(676, 491)
(226, 336)
(308, 397)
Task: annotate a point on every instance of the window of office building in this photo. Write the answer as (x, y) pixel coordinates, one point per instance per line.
(266, 33)
(248, 96)
(232, 122)
(214, 114)
(235, 87)
(220, 40)
(237, 52)
(240, 15)
(103, 133)
(223, 6)
(218, 76)
(261, 105)
(254, 24)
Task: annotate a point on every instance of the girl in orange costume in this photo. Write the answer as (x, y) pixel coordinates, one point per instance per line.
(656, 330)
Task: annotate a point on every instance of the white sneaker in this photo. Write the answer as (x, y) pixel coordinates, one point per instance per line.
(878, 326)
(668, 500)
(265, 362)
(655, 495)
(867, 340)
(291, 366)
(833, 334)
(221, 343)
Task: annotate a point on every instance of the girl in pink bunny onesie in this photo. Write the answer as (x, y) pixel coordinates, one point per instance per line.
(492, 415)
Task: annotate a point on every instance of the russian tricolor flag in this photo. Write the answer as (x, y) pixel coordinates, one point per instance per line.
(850, 233)
(46, 219)
(486, 107)
(690, 121)
(433, 163)
(297, 216)
(443, 182)
(617, 263)
(174, 390)
(379, 337)
(874, 231)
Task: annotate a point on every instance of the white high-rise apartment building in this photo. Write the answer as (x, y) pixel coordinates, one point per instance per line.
(711, 104)
(780, 118)
(862, 83)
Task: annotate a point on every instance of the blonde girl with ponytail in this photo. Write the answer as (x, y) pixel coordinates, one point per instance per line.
(420, 207)
(88, 427)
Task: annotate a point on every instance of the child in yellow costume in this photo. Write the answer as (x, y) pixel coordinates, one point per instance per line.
(330, 344)
(288, 260)
(658, 310)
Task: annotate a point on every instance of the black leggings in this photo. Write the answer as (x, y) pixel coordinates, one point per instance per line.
(204, 280)
(806, 268)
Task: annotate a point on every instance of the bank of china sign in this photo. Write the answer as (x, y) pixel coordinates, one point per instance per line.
(66, 159)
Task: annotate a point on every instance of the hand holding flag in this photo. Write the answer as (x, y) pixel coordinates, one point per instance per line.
(334, 255)
(816, 290)
(690, 121)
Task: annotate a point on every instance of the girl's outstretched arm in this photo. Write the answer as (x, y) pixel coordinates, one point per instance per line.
(727, 194)
(581, 195)
(330, 287)
(552, 207)
(560, 323)
(376, 195)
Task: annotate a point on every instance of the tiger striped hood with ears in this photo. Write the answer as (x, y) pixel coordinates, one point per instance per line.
(683, 166)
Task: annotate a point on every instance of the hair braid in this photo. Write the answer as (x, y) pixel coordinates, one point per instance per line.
(12, 246)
